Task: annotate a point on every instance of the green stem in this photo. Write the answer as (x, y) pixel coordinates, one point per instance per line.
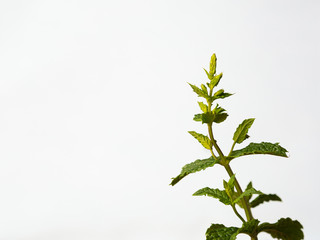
(244, 200)
(234, 143)
(214, 142)
(214, 156)
(237, 213)
(225, 163)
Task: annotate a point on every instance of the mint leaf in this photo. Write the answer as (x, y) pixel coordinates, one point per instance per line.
(285, 229)
(199, 91)
(203, 107)
(204, 89)
(247, 193)
(220, 232)
(229, 190)
(210, 76)
(196, 166)
(231, 181)
(215, 193)
(204, 140)
(219, 114)
(207, 117)
(220, 94)
(210, 117)
(213, 64)
(197, 117)
(241, 133)
(264, 198)
(215, 81)
(248, 187)
(260, 148)
(220, 117)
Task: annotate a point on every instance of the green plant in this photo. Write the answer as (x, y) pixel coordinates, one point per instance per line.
(232, 194)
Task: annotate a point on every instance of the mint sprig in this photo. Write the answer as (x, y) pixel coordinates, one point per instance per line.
(232, 193)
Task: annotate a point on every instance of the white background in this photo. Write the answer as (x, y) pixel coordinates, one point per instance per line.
(95, 110)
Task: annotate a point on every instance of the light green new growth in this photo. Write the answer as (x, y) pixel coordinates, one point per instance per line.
(232, 193)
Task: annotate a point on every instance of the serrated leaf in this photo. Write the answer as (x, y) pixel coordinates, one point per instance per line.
(284, 228)
(213, 64)
(196, 166)
(247, 193)
(260, 148)
(199, 91)
(204, 140)
(215, 193)
(203, 107)
(241, 133)
(264, 198)
(219, 114)
(220, 232)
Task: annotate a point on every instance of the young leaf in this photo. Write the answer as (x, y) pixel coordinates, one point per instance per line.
(229, 188)
(197, 117)
(215, 81)
(220, 232)
(221, 94)
(285, 229)
(199, 91)
(204, 89)
(215, 193)
(247, 193)
(213, 64)
(264, 198)
(204, 140)
(248, 187)
(203, 107)
(207, 117)
(217, 93)
(231, 181)
(219, 114)
(260, 148)
(220, 117)
(196, 166)
(210, 76)
(241, 133)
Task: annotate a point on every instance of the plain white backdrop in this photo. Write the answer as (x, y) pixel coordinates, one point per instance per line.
(95, 109)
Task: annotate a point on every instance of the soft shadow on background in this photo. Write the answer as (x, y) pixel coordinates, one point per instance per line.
(95, 110)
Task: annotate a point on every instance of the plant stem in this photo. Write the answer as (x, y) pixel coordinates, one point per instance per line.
(225, 163)
(244, 200)
(214, 156)
(234, 143)
(237, 213)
